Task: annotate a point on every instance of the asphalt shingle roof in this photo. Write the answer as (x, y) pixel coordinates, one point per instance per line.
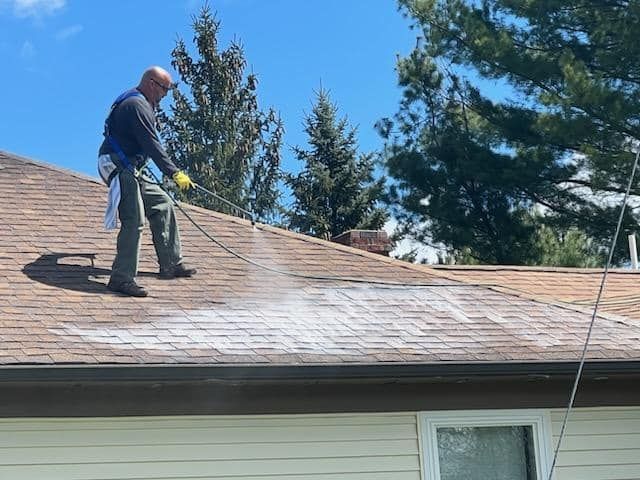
(55, 259)
(574, 286)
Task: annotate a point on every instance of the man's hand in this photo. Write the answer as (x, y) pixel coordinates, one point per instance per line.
(183, 181)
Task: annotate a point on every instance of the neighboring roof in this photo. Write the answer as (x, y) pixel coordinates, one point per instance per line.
(54, 308)
(574, 286)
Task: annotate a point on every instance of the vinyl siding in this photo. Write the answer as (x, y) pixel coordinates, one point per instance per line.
(288, 447)
(599, 444)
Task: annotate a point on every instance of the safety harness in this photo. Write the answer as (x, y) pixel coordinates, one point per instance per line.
(124, 161)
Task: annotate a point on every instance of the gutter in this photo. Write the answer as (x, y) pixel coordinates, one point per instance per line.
(441, 371)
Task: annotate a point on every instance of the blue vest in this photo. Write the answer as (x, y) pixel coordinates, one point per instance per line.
(112, 141)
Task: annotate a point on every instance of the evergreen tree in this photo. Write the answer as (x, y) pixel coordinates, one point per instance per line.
(336, 190)
(216, 132)
(471, 170)
(571, 249)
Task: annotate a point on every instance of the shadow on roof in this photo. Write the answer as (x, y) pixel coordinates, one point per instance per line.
(77, 273)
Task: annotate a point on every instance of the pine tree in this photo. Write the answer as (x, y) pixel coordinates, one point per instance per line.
(216, 131)
(570, 249)
(336, 190)
(484, 175)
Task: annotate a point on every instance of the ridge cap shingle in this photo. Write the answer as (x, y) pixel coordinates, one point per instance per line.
(48, 166)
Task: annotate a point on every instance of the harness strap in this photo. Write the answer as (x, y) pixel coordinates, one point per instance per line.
(112, 141)
(112, 175)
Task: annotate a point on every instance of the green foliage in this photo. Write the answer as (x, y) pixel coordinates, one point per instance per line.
(486, 176)
(336, 190)
(216, 131)
(571, 249)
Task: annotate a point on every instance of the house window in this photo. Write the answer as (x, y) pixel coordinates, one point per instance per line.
(478, 445)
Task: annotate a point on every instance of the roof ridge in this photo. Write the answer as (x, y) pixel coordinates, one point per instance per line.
(353, 250)
(326, 243)
(49, 166)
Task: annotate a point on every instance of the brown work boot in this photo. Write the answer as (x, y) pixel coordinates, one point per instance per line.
(130, 288)
(177, 271)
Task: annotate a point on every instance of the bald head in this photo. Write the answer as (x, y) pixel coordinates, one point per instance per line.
(155, 84)
(156, 72)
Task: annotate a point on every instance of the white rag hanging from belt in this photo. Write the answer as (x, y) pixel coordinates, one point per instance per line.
(109, 173)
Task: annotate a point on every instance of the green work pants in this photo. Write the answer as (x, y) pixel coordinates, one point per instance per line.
(140, 198)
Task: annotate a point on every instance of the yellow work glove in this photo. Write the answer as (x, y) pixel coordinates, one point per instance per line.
(183, 181)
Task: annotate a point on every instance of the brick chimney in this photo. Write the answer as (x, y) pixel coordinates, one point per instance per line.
(374, 241)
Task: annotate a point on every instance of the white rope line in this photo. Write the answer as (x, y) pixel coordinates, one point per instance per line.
(593, 318)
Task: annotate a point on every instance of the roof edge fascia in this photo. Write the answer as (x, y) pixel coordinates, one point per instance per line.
(276, 373)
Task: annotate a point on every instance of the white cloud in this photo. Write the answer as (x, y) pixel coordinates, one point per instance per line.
(69, 32)
(35, 8)
(27, 50)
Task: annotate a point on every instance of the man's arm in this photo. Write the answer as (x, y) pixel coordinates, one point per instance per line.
(145, 132)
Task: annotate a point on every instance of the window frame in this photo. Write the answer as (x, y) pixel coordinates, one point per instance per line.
(538, 420)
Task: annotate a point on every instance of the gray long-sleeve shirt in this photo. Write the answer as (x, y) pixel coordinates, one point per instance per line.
(132, 125)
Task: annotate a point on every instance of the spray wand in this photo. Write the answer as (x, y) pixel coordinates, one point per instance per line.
(224, 200)
(238, 208)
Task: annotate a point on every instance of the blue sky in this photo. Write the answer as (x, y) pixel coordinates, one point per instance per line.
(66, 60)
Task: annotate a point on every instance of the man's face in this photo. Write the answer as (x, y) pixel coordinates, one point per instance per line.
(160, 87)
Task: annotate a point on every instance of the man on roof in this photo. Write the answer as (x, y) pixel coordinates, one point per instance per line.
(130, 141)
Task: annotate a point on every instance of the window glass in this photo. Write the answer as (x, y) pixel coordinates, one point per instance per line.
(481, 453)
